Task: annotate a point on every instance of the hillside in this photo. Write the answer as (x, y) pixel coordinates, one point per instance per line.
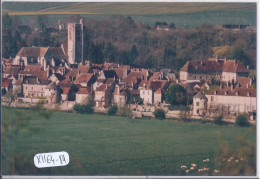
(21, 8)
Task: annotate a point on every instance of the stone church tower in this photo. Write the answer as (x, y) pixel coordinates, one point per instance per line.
(76, 45)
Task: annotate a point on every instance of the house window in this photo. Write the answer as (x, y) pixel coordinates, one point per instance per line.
(42, 95)
(197, 103)
(200, 77)
(206, 77)
(195, 77)
(204, 103)
(212, 98)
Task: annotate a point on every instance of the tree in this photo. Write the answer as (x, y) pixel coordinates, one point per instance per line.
(239, 54)
(159, 114)
(242, 120)
(112, 110)
(176, 95)
(172, 25)
(12, 126)
(218, 120)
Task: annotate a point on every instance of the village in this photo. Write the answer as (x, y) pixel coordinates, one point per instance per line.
(61, 77)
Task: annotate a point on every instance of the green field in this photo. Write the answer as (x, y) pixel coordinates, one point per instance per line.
(185, 15)
(107, 145)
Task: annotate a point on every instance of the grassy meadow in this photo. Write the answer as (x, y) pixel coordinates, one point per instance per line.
(185, 15)
(112, 145)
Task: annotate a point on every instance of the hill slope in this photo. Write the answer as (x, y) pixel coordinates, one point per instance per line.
(21, 8)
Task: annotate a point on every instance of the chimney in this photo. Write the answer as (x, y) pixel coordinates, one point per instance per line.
(225, 59)
(220, 87)
(217, 58)
(250, 82)
(247, 67)
(118, 90)
(232, 87)
(201, 63)
(227, 84)
(247, 85)
(37, 80)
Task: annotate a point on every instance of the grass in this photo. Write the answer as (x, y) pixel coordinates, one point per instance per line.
(185, 15)
(111, 145)
(125, 7)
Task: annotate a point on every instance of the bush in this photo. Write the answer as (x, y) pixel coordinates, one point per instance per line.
(159, 114)
(125, 111)
(112, 110)
(218, 120)
(242, 120)
(83, 108)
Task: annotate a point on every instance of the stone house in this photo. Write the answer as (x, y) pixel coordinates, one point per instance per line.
(82, 95)
(218, 69)
(43, 56)
(35, 88)
(53, 93)
(103, 95)
(6, 85)
(227, 99)
(121, 96)
(68, 91)
(85, 79)
(200, 104)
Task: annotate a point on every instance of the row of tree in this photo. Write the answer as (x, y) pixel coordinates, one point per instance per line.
(125, 41)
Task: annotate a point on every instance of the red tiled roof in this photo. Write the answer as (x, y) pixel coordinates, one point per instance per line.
(134, 92)
(158, 84)
(6, 82)
(144, 82)
(83, 78)
(83, 91)
(198, 66)
(241, 91)
(155, 76)
(84, 68)
(65, 90)
(12, 70)
(158, 91)
(102, 87)
(119, 72)
(244, 81)
(234, 66)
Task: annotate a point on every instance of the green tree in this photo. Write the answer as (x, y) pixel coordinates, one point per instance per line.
(176, 95)
(19, 122)
(159, 114)
(242, 120)
(239, 54)
(112, 110)
(218, 120)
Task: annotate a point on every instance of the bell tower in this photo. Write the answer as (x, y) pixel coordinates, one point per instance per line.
(76, 45)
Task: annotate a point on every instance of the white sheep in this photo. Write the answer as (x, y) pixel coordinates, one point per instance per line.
(192, 168)
(200, 170)
(194, 165)
(207, 159)
(187, 171)
(183, 166)
(216, 171)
